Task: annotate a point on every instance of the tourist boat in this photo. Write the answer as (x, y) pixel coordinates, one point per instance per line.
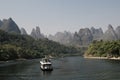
(46, 65)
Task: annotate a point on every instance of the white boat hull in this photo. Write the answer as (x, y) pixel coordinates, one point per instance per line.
(46, 65)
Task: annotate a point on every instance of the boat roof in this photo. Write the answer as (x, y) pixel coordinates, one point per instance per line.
(45, 61)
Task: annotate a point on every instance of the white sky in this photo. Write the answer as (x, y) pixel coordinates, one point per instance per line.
(59, 15)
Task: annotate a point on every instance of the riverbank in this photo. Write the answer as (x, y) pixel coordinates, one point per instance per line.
(112, 58)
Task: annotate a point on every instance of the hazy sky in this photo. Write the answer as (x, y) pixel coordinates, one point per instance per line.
(59, 15)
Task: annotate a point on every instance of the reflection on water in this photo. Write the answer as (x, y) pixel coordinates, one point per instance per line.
(69, 68)
(46, 73)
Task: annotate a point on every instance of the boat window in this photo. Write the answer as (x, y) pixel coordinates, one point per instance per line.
(46, 60)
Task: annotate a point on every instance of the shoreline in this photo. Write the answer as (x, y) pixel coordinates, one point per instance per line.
(91, 57)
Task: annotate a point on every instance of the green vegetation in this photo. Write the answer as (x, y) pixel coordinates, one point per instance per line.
(16, 46)
(104, 49)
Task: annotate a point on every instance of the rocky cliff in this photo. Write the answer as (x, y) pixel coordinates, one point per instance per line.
(23, 31)
(97, 33)
(9, 25)
(118, 32)
(36, 34)
(110, 34)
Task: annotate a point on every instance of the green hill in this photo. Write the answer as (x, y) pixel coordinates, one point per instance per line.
(16, 46)
(104, 49)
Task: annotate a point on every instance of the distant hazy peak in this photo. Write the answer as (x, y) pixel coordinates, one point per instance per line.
(118, 27)
(118, 32)
(10, 18)
(85, 31)
(100, 29)
(4, 20)
(110, 26)
(36, 33)
(110, 34)
(37, 28)
(33, 31)
(23, 31)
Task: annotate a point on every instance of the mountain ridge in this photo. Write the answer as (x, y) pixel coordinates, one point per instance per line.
(83, 37)
(86, 35)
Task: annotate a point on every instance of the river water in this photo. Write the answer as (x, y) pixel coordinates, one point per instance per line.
(68, 68)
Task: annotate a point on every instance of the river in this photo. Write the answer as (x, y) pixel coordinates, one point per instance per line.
(68, 68)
